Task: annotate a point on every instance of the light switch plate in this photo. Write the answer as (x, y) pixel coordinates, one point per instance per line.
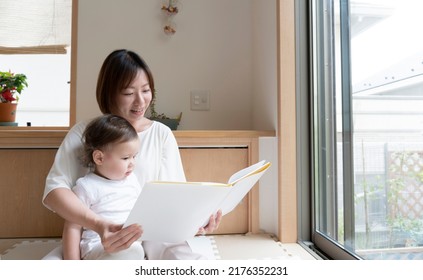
(200, 100)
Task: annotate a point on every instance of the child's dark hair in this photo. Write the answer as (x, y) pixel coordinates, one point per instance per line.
(104, 131)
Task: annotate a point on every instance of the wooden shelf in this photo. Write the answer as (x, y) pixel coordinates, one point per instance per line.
(206, 155)
(32, 137)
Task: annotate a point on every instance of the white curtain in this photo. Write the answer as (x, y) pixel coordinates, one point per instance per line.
(35, 26)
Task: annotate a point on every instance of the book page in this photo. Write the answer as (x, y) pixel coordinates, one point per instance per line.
(245, 172)
(174, 212)
(239, 190)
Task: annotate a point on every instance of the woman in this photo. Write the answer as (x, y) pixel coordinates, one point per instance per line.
(125, 87)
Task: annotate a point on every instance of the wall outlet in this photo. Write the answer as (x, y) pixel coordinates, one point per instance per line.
(200, 100)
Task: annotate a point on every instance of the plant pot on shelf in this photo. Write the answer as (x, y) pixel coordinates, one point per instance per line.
(171, 123)
(8, 114)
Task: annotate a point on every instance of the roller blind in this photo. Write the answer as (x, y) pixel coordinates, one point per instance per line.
(35, 26)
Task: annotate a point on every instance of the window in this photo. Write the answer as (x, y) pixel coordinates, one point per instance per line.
(36, 40)
(367, 128)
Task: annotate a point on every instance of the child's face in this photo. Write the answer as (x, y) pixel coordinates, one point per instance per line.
(118, 161)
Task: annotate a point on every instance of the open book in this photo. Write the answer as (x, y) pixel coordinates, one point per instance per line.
(174, 211)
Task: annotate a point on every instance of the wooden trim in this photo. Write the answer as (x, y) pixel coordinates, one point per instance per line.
(287, 162)
(74, 52)
(25, 138)
(32, 137)
(223, 133)
(11, 129)
(253, 196)
(52, 49)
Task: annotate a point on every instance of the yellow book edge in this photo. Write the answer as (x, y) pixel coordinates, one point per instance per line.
(257, 171)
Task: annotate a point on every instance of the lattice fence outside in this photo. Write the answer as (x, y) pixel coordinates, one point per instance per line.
(405, 184)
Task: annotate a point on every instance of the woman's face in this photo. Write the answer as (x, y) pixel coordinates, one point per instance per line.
(133, 101)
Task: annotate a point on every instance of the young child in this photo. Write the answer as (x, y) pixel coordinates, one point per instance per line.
(110, 189)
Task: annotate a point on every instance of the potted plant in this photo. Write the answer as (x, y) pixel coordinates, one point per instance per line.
(171, 123)
(11, 86)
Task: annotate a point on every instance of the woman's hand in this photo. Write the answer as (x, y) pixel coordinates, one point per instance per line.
(115, 238)
(213, 224)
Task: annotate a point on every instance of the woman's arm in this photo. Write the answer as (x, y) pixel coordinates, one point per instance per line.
(67, 205)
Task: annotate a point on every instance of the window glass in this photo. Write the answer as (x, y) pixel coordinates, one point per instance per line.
(387, 94)
(370, 175)
(45, 102)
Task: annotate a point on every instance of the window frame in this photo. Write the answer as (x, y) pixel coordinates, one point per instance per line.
(37, 136)
(322, 21)
(298, 91)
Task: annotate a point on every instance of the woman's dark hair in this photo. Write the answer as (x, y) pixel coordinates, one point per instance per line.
(104, 131)
(119, 69)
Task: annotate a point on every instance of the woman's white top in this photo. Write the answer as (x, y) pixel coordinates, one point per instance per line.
(110, 199)
(158, 158)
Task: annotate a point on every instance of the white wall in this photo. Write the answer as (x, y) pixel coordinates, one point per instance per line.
(264, 65)
(216, 48)
(225, 46)
(268, 193)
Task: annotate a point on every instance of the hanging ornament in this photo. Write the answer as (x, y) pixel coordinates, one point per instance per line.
(170, 9)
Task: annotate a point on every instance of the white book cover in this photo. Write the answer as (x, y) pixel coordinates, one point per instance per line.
(174, 211)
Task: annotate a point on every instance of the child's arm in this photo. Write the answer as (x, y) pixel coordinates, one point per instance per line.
(71, 239)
